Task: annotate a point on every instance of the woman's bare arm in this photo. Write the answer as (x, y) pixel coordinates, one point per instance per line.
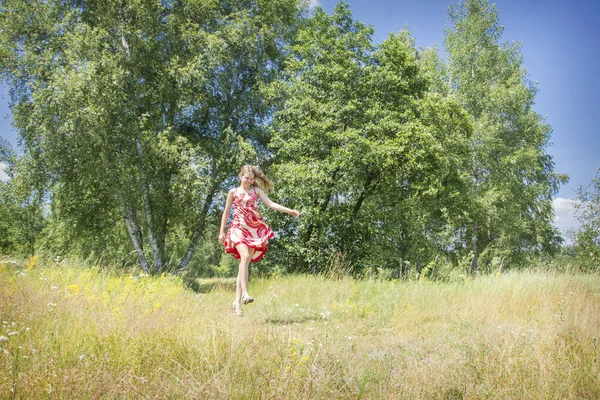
(275, 206)
(226, 215)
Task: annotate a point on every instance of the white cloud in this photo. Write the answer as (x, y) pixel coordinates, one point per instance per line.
(564, 214)
(3, 176)
(313, 3)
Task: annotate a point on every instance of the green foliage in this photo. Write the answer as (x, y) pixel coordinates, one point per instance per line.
(21, 221)
(135, 117)
(360, 142)
(587, 238)
(21, 216)
(8, 219)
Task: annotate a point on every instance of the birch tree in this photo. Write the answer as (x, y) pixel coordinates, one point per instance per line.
(140, 112)
(512, 175)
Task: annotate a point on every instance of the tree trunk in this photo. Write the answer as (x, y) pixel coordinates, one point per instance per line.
(475, 252)
(135, 234)
(157, 251)
(475, 192)
(322, 208)
(369, 186)
(201, 225)
(155, 243)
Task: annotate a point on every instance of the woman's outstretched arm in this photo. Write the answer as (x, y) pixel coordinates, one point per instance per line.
(275, 206)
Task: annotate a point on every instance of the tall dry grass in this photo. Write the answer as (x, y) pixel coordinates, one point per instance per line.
(69, 332)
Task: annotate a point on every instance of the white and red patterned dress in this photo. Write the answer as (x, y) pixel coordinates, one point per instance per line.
(248, 226)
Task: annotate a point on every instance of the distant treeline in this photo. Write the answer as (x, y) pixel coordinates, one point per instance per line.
(135, 117)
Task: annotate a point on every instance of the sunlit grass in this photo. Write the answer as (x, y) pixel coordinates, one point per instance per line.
(69, 332)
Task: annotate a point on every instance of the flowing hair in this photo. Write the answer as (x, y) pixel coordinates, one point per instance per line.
(260, 179)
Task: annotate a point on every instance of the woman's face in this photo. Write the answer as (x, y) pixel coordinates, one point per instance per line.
(247, 180)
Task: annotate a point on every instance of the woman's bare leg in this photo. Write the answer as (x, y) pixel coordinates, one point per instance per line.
(241, 287)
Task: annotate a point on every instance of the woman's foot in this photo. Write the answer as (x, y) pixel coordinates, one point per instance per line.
(237, 309)
(247, 299)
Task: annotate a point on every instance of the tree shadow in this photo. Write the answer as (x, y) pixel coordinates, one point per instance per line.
(207, 285)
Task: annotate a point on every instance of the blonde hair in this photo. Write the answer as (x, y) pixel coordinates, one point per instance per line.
(260, 179)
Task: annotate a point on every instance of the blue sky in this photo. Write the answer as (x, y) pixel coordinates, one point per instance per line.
(561, 48)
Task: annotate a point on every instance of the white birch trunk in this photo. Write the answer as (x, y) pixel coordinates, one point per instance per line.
(157, 253)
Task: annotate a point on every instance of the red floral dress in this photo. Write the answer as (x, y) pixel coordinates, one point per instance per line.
(248, 226)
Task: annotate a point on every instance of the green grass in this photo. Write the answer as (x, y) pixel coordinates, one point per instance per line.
(69, 332)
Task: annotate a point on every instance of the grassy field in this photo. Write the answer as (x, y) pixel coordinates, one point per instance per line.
(69, 332)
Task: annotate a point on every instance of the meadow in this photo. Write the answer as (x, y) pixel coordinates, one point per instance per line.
(70, 332)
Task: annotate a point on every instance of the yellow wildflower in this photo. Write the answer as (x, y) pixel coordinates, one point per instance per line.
(73, 289)
(31, 262)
